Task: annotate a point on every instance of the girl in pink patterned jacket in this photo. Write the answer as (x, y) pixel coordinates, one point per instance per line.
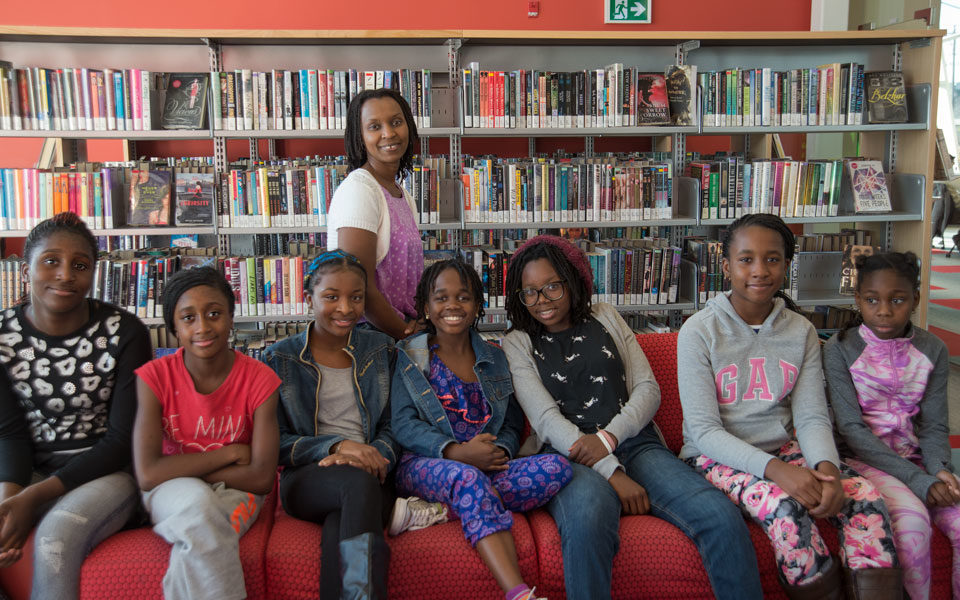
(887, 383)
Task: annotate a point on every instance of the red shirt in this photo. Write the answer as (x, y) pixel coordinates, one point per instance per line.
(195, 422)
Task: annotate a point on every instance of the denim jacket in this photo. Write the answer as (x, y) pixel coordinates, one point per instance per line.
(373, 355)
(419, 420)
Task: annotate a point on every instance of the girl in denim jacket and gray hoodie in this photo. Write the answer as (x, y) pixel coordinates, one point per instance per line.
(335, 440)
(455, 413)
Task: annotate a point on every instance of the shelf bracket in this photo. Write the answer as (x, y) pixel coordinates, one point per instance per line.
(683, 48)
(424, 146)
(453, 61)
(254, 150)
(272, 148)
(531, 146)
(588, 142)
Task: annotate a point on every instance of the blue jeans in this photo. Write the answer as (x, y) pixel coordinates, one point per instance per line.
(590, 538)
(73, 526)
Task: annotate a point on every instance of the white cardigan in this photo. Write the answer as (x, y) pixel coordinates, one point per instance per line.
(360, 202)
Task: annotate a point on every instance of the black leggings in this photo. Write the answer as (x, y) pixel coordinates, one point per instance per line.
(345, 501)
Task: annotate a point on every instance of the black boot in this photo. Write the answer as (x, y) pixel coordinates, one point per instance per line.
(827, 587)
(364, 560)
(873, 584)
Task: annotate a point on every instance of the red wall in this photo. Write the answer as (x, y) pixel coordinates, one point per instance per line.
(677, 15)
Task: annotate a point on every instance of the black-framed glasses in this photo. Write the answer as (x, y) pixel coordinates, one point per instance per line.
(550, 291)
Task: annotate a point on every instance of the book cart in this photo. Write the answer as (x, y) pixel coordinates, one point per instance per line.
(907, 149)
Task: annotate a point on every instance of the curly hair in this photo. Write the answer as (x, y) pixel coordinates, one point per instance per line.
(571, 265)
(428, 282)
(353, 134)
(187, 279)
(769, 221)
(65, 222)
(905, 264)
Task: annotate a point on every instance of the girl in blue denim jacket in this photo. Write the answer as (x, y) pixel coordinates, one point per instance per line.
(454, 412)
(335, 442)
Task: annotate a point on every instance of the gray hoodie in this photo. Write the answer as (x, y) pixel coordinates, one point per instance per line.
(743, 392)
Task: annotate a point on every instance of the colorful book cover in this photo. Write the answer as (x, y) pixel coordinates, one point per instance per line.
(149, 198)
(194, 203)
(681, 93)
(848, 266)
(184, 106)
(869, 186)
(653, 107)
(886, 97)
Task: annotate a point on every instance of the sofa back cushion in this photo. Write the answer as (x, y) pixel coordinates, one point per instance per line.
(661, 352)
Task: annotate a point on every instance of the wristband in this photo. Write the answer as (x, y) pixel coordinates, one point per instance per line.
(605, 442)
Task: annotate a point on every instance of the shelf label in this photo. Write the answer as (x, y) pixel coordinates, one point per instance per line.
(627, 11)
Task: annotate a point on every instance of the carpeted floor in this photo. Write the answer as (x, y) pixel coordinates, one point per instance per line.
(944, 321)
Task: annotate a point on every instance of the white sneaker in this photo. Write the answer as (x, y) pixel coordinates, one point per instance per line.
(413, 513)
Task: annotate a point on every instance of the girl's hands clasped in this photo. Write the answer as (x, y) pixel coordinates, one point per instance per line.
(362, 456)
(587, 450)
(480, 452)
(945, 492)
(819, 491)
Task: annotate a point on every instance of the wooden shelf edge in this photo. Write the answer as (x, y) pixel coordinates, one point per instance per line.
(879, 36)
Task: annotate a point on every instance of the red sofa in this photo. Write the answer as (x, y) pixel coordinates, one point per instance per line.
(281, 555)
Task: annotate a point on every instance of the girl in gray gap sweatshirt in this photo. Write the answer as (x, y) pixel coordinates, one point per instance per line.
(756, 423)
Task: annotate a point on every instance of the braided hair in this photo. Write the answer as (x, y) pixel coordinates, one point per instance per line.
(353, 133)
(905, 264)
(428, 282)
(770, 222)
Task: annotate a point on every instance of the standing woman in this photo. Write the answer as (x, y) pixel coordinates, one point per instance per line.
(371, 215)
(67, 403)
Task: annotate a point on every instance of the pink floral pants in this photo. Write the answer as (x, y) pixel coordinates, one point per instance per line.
(911, 518)
(865, 535)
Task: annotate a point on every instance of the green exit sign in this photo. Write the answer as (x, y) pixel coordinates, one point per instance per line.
(626, 11)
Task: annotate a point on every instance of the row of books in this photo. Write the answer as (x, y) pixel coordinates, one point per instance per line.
(833, 242)
(612, 96)
(825, 95)
(74, 99)
(262, 285)
(298, 193)
(107, 196)
(707, 254)
(12, 286)
(634, 272)
(731, 186)
(244, 99)
(548, 190)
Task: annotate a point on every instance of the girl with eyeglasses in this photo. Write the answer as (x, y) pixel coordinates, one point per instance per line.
(590, 395)
(335, 440)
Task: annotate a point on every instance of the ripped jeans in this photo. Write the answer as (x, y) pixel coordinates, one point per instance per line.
(73, 526)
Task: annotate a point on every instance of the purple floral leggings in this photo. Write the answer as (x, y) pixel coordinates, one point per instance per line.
(484, 501)
(865, 537)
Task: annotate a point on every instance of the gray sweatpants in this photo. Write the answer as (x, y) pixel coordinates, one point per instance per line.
(204, 523)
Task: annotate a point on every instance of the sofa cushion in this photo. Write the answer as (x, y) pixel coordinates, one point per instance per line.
(432, 563)
(131, 564)
(655, 560)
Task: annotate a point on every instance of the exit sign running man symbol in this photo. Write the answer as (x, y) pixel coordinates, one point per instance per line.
(627, 11)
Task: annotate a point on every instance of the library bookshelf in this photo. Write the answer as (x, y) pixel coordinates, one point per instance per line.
(906, 149)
